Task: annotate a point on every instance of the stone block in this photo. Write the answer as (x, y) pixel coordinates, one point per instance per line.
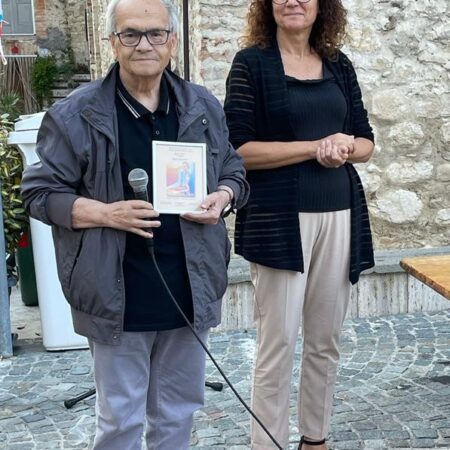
(398, 206)
(410, 172)
(443, 217)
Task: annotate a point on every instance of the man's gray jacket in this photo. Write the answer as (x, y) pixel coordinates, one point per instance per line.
(77, 146)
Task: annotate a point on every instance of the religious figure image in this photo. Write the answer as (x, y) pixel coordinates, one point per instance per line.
(180, 179)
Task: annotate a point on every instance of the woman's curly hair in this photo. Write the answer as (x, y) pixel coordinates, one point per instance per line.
(327, 34)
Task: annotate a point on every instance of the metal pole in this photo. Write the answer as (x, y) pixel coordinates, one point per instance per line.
(6, 350)
(187, 74)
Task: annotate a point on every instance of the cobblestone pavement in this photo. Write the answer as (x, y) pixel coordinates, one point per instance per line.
(393, 391)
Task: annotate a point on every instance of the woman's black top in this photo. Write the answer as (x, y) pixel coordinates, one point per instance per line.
(317, 108)
(257, 109)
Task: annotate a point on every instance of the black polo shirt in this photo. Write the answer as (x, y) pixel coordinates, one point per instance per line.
(148, 306)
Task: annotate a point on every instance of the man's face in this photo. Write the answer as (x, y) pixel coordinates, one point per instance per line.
(145, 60)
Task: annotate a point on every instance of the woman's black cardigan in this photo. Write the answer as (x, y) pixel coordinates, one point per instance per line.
(256, 107)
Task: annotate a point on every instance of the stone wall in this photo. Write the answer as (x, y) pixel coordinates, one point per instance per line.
(76, 28)
(384, 290)
(400, 51)
(101, 56)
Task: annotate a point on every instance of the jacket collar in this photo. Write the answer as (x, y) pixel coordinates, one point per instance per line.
(100, 110)
(189, 108)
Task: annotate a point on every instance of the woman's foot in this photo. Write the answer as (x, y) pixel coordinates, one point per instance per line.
(311, 444)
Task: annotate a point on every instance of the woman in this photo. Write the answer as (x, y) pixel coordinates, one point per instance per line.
(295, 114)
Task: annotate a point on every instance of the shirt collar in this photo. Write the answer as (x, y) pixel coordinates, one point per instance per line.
(138, 109)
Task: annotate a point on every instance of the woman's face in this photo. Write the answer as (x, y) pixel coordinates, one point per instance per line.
(295, 15)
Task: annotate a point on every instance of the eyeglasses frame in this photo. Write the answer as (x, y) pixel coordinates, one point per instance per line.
(142, 33)
(283, 2)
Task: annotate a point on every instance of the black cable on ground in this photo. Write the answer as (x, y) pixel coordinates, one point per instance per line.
(152, 254)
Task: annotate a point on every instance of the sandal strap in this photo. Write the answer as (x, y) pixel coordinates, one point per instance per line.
(308, 442)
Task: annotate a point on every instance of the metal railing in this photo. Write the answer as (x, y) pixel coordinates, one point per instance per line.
(5, 320)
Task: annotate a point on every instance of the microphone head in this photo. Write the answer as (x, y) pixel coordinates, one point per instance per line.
(138, 180)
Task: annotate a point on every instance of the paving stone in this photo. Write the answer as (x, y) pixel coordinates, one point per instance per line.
(422, 443)
(367, 435)
(397, 444)
(425, 433)
(393, 391)
(33, 418)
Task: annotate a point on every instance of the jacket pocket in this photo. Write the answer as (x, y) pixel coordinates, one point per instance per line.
(96, 281)
(217, 256)
(212, 162)
(68, 246)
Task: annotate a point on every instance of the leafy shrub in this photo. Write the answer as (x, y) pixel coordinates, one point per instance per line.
(42, 79)
(15, 220)
(10, 105)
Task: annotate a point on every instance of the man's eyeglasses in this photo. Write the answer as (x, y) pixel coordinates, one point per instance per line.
(132, 38)
(283, 2)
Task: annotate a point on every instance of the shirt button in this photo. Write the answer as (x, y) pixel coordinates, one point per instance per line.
(153, 117)
(204, 121)
(157, 133)
(119, 280)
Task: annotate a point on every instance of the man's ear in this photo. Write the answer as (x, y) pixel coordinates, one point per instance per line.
(112, 42)
(174, 44)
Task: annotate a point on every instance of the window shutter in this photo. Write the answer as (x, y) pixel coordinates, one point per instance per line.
(19, 14)
(24, 17)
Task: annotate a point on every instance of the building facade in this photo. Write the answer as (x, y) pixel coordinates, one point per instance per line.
(401, 54)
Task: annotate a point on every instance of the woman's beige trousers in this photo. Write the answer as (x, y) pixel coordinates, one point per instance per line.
(283, 299)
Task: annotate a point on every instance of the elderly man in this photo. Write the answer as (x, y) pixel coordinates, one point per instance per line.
(147, 363)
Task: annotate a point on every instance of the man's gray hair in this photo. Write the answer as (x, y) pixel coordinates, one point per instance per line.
(111, 16)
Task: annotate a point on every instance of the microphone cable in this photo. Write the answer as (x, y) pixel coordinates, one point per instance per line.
(151, 250)
(138, 180)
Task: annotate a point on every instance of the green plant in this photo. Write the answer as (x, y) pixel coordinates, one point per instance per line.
(15, 220)
(42, 79)
(10, 105)
(66, 69)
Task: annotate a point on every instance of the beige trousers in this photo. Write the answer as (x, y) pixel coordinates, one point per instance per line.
(283, 298)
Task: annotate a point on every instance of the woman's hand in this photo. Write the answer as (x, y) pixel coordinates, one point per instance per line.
(212, 207)
(343, 140)
(331, 155)
(358, 150)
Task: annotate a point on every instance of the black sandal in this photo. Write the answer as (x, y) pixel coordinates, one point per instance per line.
(305, 441)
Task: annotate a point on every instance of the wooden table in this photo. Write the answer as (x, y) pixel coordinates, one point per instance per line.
(434, 271)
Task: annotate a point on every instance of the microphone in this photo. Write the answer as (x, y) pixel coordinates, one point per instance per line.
(138, 180)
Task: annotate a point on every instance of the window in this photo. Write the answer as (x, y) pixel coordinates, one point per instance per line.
(19, 15)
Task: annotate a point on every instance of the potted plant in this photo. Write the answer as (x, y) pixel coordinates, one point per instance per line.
(15, 220)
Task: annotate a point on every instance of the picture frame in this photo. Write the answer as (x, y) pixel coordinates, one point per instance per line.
(179, 176)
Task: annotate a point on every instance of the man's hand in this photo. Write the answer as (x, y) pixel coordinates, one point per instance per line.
(331, 155)
(134, 216)
(212, 207)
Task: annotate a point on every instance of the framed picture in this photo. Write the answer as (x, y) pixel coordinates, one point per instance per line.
(179, 176)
